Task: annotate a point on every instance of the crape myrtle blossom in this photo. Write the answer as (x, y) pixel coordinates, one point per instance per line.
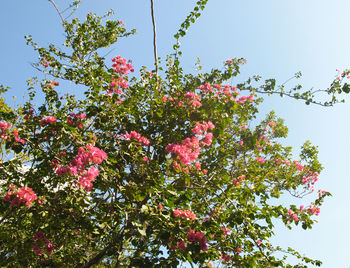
(6, 135)
(84, 158)
(23, 195)
(40, 238)
(188, 214)
(135, 136)
(48, 120)
(189, 149)
(121, 67)
(197, 237)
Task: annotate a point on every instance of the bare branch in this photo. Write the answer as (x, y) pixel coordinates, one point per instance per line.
(154, 40)
(59, 13)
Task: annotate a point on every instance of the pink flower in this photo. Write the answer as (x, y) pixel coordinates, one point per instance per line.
(184, 214)
(272, 124)
(225, 258)
(240, 143)
(50, 119)
(49, 248)
(92, 173)
(260, 160)
(225, 230)
(208, 138)
(243, 127)
(191, 236)
(4, 126)
(181, 245)
(37, 250)
(145, 159)
(258, 242)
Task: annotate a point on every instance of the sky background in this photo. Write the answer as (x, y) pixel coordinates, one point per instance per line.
(278, 39)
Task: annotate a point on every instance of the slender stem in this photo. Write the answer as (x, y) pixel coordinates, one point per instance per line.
(99, 256)
(59, 13)
(154, 40)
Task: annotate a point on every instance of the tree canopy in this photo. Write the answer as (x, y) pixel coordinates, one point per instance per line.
(150, 168)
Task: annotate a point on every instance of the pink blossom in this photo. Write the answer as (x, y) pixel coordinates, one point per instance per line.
(208, 138)
(50, 120)
(191, 236)
(37, 250)
(272, 124)
(260, 160)
(240, 143)
(225, 230)
(181, 245)
(225, 258)
(4, 126)
(206, 88)
(184, 214)
(49, 248)
(24, 195)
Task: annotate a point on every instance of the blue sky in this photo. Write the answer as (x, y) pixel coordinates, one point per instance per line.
(278, 38)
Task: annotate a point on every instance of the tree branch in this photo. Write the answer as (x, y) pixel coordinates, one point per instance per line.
(59, 13)
(154, 40)
(99, 256)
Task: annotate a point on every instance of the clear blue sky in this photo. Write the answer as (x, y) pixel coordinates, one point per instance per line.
(278, 38)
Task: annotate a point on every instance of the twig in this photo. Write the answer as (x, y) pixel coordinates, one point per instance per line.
(59, 13)
(154, 40)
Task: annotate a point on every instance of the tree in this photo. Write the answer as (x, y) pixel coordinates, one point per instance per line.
(147, 170)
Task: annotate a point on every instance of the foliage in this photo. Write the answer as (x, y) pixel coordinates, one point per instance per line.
(148, 170)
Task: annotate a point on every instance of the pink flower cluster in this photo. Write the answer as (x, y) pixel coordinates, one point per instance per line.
(4, 126)
(4, 133)
(75, 119)
(48, 120)
(225, 258)
(226, 89)
(121, 67)
(23, 195)
(50, 84)
(197, 237)
(225, 230)
(293, 215)
(189, 149)
(237, 180)
(17, 138)
(40, 237)
(193, 98)
(298, 166)
(313, 210)
(206, 88)
(3, 130)
(200, 129)
(311, 179)
(244, 99)
(184, 214)
(92, 155)
(136, 137)
(260, 160)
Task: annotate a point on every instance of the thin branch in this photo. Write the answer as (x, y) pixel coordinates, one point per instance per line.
(59, 13)
(154, 40)
(99, 256)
